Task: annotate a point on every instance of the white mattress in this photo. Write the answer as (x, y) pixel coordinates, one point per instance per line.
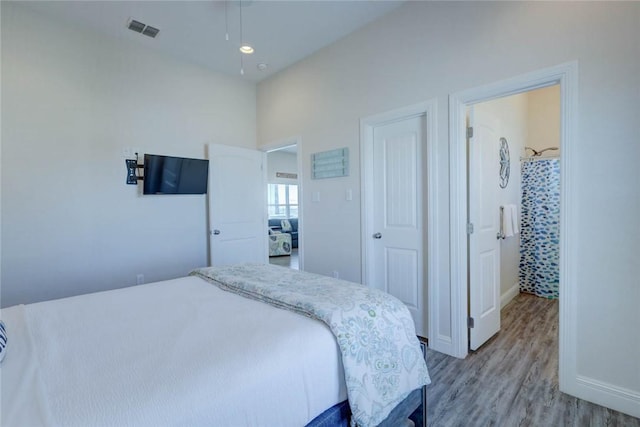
(179, 352)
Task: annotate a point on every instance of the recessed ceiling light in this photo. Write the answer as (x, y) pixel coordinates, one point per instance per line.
(246, 49)
(262, 66)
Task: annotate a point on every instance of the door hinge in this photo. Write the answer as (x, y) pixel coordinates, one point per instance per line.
(469, 228)
(470, 132)
(470, 322)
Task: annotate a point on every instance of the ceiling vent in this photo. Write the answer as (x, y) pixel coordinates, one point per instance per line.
(141, 28)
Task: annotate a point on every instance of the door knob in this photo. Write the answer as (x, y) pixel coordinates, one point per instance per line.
(216, 232)
(377, 236)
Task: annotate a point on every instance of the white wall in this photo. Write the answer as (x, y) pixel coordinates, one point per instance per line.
(71, 101)
(511, 116)
(428, 50)
(544, 120)
(281, 161)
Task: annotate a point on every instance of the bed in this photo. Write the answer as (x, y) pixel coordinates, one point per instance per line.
(199, 350)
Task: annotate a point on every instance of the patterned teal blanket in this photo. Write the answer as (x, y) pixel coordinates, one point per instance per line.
(374, 330)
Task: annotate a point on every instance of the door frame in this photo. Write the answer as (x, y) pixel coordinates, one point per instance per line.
(275, 146)
(429, 178)
(566, 75)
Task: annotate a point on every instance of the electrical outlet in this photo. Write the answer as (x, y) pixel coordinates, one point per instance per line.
(140, 279)
(336, 274)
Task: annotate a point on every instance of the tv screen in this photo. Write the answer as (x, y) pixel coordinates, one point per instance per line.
(175, 175)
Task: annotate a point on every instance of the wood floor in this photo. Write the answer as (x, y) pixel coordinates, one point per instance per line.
(290, 261)
(513, 379)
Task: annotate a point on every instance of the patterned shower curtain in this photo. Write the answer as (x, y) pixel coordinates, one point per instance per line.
(540, 228)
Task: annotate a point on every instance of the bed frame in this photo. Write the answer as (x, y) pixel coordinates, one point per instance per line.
(413, 407)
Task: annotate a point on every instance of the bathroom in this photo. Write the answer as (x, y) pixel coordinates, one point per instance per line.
(521, 187)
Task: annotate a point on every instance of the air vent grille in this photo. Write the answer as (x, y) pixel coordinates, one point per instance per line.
(136, 26)
(150, 31)
(141, 28)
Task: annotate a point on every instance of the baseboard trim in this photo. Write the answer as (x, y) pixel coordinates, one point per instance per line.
(608, 395)
(511, 293)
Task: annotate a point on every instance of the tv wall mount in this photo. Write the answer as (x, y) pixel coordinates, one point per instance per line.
(132, 171)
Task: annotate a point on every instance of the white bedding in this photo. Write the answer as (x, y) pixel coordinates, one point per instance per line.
(179, 352)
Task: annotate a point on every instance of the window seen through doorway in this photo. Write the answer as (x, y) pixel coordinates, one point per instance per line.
(283, 201)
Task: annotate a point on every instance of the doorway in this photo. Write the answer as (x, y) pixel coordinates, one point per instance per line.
(514, 204)
(283, 206)
(564, 75)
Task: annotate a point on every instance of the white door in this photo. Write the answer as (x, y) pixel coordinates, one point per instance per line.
(484, 214)
(395, 234)
(237, 206)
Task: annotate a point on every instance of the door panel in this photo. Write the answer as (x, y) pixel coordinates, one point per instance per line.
(237, 206)
(484, 214)
(396, 264)
(400, 170)
(488, 273)
(402, 280)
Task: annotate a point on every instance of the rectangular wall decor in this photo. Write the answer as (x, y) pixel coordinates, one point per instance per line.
(286, 175)
(330, 164)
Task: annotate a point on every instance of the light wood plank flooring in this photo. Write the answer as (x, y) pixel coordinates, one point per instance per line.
(290, 261)
(513, 379)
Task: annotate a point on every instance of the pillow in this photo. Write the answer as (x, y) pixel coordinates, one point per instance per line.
(3, 341)
(286, 225)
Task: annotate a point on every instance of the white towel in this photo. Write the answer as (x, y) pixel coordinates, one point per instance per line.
(514, 218)
(507, 221)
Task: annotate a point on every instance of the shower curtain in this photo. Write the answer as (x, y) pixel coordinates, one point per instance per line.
(540, 228)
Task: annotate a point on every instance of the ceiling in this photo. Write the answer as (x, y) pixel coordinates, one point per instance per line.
(282, 32)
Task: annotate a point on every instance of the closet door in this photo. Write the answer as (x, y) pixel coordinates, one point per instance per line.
(395, 236)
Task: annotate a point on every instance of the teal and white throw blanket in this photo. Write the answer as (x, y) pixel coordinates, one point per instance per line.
(374, 330)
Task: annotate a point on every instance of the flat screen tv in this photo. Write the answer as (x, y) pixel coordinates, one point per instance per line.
(174, 175)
